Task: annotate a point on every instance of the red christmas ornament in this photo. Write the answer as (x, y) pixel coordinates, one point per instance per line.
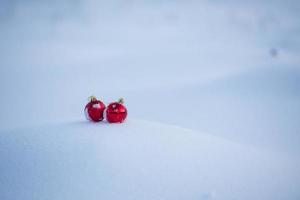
(94, 110)
(116, 112)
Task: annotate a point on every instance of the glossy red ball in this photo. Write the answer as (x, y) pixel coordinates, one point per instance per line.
(94, 110)
(116, 112)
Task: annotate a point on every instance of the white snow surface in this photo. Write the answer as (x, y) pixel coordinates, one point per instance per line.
(139, 160)
(213, 111)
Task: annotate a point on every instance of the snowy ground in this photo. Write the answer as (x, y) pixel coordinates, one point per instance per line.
(139, 160)
(226, 74)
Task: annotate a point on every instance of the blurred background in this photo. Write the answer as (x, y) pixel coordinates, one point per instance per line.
(229, 68)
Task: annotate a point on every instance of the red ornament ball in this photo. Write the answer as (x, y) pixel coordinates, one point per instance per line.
(94, 110)
(116, 112)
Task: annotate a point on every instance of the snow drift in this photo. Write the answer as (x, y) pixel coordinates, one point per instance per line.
(138, 160)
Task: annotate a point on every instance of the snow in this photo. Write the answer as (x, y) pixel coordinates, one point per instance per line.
(139, 160)
(213, 111)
